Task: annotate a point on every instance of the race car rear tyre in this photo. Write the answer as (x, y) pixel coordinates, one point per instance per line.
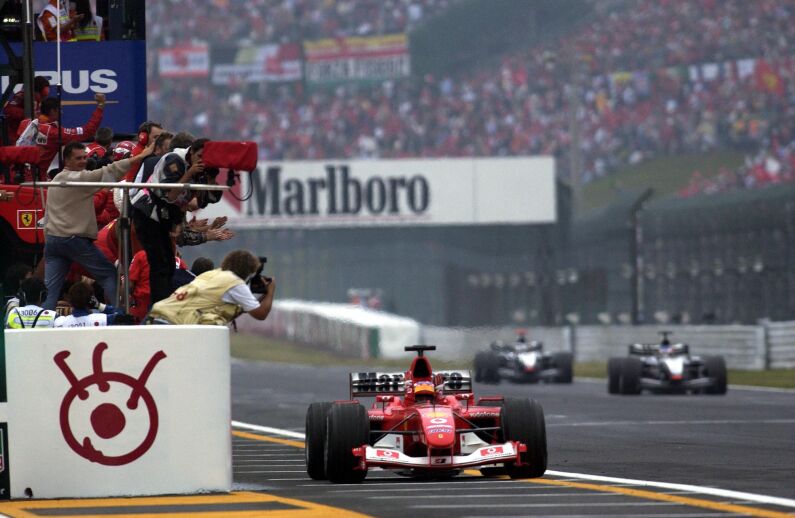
(614, 375)
(631, 370)
(347, 427)
(523, 421)
(316, 417)
(491, 368)
(564, 363)
(716, 368)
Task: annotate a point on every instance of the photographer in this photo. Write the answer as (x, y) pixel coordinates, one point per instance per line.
(157, 213)
(217, 297)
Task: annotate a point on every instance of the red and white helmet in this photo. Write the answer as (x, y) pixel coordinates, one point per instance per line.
(95, 150)
(122, 150)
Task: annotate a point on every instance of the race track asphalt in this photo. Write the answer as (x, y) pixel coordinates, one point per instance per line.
(743, 441)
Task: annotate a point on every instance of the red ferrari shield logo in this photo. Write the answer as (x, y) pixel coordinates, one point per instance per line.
(26, 218)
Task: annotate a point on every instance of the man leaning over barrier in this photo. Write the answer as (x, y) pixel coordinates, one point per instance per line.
(71, 226)
(219, 296)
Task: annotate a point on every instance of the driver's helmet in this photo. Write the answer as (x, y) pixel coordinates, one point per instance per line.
(665, 346)
(424, 391)
(122, 150)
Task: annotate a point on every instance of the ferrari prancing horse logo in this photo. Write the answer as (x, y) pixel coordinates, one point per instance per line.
(26, 219)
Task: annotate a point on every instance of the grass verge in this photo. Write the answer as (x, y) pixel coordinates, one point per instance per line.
(249, 347)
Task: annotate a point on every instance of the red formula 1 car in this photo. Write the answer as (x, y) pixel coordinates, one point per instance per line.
(423, 424)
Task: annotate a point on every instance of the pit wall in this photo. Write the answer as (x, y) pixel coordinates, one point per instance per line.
(116, 411)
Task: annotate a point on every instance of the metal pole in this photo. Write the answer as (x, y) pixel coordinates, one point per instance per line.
(124, 256)
(27, 59)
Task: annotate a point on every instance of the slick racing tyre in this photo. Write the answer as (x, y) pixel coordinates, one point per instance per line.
(316, 440)
(347, 427)
(613, 375)
(523, 421)
(480, 366)
(631, 370)
(716, 368)
(491, 372)
(564, 363)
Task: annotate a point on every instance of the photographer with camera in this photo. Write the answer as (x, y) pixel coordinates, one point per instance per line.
(217, 297)
(157, 213)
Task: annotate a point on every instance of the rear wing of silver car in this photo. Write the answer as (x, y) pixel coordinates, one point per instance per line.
(368, 384)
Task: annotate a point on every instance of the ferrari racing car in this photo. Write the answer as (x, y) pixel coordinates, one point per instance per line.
(665, 367)
(523, 362)
(423, 424)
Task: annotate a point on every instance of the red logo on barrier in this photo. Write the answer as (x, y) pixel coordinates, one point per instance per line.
(107, 419)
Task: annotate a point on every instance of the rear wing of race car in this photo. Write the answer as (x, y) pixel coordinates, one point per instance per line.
(364, 384)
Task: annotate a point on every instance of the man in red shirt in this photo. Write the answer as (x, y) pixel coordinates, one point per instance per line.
(14, 110)
(49, 127)
(147, 132)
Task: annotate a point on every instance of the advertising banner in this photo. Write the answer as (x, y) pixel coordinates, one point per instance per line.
(256, 63)
(188, 61)
(362, 58)
(460, 191)
(114, 411)
(114, 68)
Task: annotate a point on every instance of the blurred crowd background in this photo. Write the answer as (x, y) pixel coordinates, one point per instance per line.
(641, 80)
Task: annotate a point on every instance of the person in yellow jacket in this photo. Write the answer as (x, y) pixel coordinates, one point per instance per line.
(217, 297)
(29, 313)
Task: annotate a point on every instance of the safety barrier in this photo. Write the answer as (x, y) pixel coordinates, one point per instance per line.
(116, 411)
(781, 345)
(343, 328)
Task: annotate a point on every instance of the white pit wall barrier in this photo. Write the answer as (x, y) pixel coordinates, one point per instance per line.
(118, 411)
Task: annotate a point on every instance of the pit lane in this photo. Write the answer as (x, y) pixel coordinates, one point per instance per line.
(743, 441)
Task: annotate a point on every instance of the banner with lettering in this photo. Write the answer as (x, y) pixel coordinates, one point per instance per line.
(360, 58)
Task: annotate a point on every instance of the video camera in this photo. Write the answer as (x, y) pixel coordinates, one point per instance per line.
(258, 283)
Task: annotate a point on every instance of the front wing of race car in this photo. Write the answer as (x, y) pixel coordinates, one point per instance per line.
(669, 384)
(371, 456)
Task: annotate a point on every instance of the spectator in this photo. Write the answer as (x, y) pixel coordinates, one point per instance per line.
(90, 27)
(201, 265)
(46, 130)
(14, 276)
(219, 296)
(50, 18)
(147, 133)
(87, 311)
(99, 151)
(14, 110)
(29, 313)
(139, 283)
(71, 225)
(158, 213)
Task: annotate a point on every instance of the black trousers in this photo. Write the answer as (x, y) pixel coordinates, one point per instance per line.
(155, 238)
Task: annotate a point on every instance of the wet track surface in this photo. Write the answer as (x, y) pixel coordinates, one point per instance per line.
(744, 441)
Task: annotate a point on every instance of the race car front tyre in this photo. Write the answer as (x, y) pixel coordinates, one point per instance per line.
(316, 417)
(614, 375)
(716, 369)
(347, 427)
(564, 363)
(631, 370)
(523, 421)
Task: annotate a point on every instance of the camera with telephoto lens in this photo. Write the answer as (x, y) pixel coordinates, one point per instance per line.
(207, 177)
(259, 283)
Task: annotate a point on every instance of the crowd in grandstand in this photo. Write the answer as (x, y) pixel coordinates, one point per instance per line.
(651, 78)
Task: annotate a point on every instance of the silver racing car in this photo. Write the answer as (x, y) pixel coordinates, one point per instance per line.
(666, 367)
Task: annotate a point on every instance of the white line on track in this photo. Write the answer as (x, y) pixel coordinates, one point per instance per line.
(472, 505)
(703, 490)
(674, 423)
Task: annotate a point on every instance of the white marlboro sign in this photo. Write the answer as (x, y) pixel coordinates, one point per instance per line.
(115, 411)
(340, 193)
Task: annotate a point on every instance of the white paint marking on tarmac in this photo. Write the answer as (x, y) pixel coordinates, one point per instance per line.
(274, 471)
(267, 429)
(260, 455)
(521, 486)
(470, 505)
(492, 495)
(674, 423)
(703, 490)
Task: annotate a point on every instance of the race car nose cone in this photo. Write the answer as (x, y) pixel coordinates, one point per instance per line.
(439, 427)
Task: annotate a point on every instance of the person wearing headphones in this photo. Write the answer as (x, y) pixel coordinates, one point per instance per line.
(29, 313)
